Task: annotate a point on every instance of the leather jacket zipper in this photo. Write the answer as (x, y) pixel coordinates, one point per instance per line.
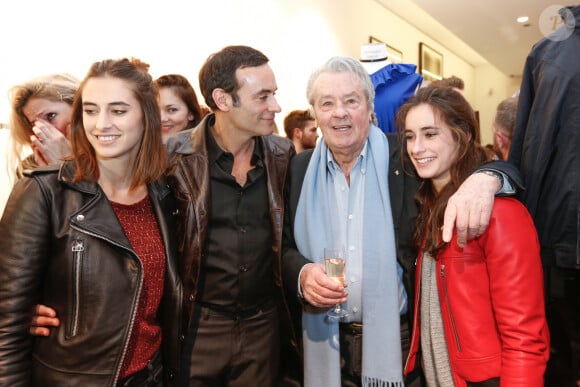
(135, 305)
(449, 308)
(78, 247)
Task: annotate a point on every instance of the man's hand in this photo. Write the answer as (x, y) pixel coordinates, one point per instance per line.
(318, 289)
(469, 209)
(44, 317)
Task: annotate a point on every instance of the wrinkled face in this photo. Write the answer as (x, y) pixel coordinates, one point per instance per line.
(112, 119)
(309, 135)
(58, 114)
(342, 112)
(254, 113)
(430, 145)
(175, 116)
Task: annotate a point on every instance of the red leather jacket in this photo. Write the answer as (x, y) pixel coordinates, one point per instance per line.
(492, 303)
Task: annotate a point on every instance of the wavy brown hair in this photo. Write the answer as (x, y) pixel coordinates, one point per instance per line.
(451, 108)
(151, 160)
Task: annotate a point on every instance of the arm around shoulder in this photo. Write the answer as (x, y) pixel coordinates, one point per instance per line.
(511, 175)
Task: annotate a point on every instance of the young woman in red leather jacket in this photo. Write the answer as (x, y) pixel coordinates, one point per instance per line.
(479, 317)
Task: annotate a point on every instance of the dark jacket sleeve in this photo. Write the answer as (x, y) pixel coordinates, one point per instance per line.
(508, 169)
(24, 246)
(292, 260)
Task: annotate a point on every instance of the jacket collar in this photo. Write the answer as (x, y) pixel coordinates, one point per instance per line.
(66, 175)
(159, 188)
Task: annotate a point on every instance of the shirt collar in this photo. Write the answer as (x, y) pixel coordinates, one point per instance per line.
(215, 152)
(333, 167)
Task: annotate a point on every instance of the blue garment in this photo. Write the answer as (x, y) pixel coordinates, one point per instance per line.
(394, 84)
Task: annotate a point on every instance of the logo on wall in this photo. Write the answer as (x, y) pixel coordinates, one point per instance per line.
(556, 23)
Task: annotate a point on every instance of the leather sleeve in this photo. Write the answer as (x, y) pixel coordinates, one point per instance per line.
(517, 293)
(25, 243)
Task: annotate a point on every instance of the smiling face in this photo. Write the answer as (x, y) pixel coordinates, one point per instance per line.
(430, 145)
(175, 116)
(57, 113)
(342, 112)
(256, 106)
(112, 119)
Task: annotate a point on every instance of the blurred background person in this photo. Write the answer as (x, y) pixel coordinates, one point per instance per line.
(179, 106)
(453, 82)
(40, 119)
(503, 126)
(300, 127)
(491, 153)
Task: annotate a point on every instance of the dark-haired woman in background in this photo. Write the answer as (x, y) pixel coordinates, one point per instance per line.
(180, 109)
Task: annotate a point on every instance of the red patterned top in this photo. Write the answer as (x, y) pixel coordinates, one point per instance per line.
(142, 230)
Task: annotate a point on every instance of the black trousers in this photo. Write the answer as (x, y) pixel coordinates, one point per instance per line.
(351, 355)
(563, 315)
(232, 350)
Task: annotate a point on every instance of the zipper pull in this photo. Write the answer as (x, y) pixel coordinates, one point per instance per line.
(78, 245)
(443, 270)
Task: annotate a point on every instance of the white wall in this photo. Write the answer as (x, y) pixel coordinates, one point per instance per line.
(175, 36)
(491, 87)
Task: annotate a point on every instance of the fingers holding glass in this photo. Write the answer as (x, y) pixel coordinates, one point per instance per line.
(335, 264)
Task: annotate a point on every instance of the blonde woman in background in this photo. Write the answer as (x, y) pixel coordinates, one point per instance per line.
(40, 119)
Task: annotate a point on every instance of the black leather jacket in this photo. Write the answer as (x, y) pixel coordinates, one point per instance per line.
(61, 245)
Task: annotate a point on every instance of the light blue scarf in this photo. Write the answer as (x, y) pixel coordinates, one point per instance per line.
(381, 364)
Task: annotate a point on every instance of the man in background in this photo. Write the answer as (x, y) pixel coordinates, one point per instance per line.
(503, 126)
(300, 127)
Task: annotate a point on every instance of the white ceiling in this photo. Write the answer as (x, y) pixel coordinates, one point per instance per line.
(477, 30)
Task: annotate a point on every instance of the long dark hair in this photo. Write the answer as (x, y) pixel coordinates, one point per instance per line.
(151, 160)
(455, 111)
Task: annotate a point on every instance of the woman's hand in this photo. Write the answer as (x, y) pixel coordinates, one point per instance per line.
(44, 317)
(50, 146)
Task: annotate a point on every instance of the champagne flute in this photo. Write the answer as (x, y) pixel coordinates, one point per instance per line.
(335, 263)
